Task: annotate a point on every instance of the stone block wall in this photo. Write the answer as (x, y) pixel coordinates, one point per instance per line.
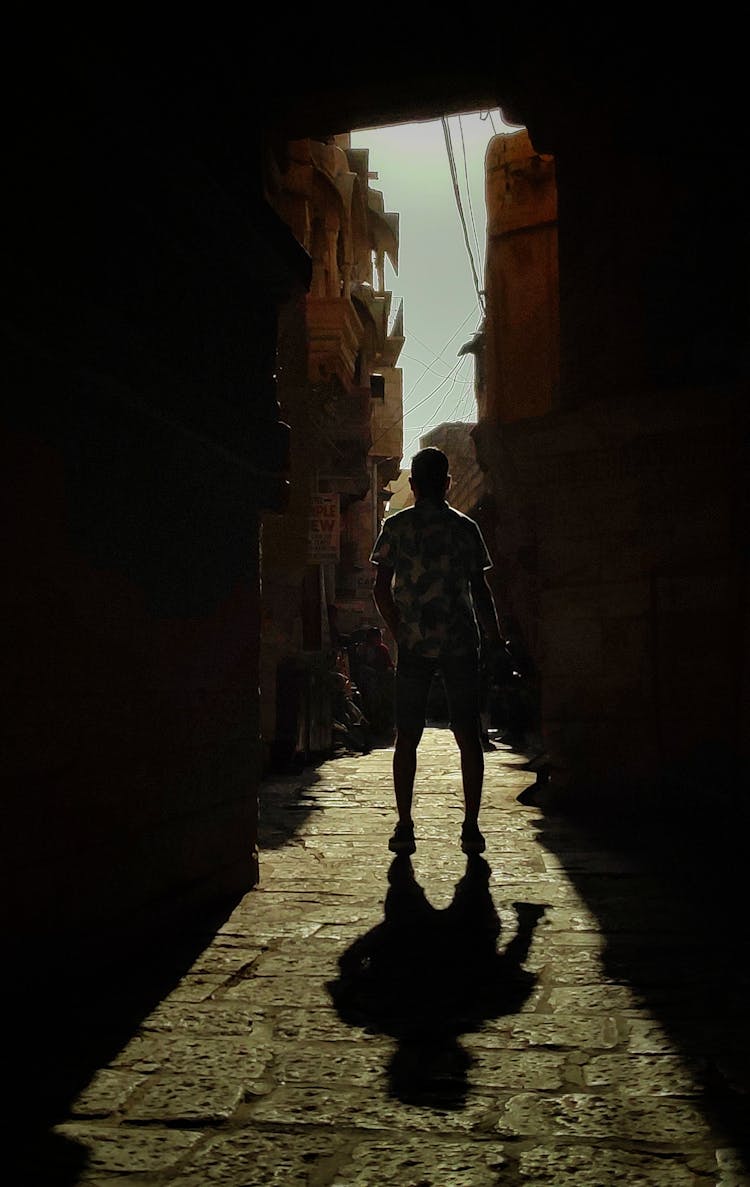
(616, 537)
(142, 441)
(522, 328)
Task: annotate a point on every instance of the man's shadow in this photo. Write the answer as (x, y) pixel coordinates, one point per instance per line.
(426, 976)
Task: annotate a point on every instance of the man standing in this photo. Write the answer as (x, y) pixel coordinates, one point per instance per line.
(432, 592)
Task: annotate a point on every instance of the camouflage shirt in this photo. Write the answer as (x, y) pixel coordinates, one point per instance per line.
(433, 551)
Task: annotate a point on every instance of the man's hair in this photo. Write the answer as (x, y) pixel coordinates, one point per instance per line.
(429, 471)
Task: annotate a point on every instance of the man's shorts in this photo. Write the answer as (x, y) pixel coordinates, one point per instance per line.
(414, 675)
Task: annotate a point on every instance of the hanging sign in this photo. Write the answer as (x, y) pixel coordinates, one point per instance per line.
(323, 528)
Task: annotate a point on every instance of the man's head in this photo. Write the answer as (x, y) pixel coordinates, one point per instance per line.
(429, 474)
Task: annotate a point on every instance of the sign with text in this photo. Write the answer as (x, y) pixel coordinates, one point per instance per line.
(323, 528)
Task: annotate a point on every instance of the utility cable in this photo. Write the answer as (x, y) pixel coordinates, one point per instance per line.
(418, 434)
(427, 366)
(467, 396)
(468, 190)
(446, 395)
(436, 357)
(407, 411)
(459, 206)
(445, 345)
(488, 115)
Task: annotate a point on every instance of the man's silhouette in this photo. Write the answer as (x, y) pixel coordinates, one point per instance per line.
(432, 592)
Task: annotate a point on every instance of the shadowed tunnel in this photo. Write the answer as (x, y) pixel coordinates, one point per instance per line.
(143, 443)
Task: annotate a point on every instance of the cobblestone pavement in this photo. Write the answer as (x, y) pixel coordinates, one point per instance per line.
(556, 1012)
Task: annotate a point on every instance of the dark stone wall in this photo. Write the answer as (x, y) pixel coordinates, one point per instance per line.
(622, 517)
(641, 517)
(620, 544)
(653, 267)
(142, 441)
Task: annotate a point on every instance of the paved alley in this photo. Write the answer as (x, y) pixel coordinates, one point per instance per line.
(557, 1012)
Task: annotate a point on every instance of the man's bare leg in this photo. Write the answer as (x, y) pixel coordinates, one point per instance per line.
(404, 770)
(472, 768)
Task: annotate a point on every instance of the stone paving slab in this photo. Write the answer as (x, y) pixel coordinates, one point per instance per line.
(479, 1164)
(586, 1115)
(353, 1026)
(592, 1166)
(360, 1109)
(123, 1149)
(595, 1033)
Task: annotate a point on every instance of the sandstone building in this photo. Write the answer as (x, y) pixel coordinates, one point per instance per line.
(340, 391)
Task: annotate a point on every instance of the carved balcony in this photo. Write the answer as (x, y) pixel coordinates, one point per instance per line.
(335, 335)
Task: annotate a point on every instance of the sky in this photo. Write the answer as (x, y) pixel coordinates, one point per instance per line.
(435, 279)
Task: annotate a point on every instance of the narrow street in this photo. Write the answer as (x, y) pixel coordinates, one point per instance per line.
(552, 1013)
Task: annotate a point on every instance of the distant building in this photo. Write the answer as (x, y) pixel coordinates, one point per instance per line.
(457, 443)
(340, 390)
(399, 493)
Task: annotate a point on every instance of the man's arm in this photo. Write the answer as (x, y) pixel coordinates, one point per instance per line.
(382, 594)
(484, 607)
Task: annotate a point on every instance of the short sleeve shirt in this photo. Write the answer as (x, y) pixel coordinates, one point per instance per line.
(433, 551)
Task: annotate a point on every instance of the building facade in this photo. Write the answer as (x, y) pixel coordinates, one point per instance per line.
(612, 480)
(340, 391)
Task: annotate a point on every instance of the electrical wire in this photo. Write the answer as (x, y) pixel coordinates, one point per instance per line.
(468, 189)
(415, 436)
(488, 115)
(406, 411)
(464, 400)
(437, 357)
(446, 394)
(459, 206)
(468, 408)
(419, 403)
(460, 411)
(427, 366)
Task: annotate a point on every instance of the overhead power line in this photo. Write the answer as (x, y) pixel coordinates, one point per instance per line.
(459, 206)
(467, 399)
(449, 392)
(427, 366)
(468, 189)
(437, 358)
(483, 115)
(419, 403)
